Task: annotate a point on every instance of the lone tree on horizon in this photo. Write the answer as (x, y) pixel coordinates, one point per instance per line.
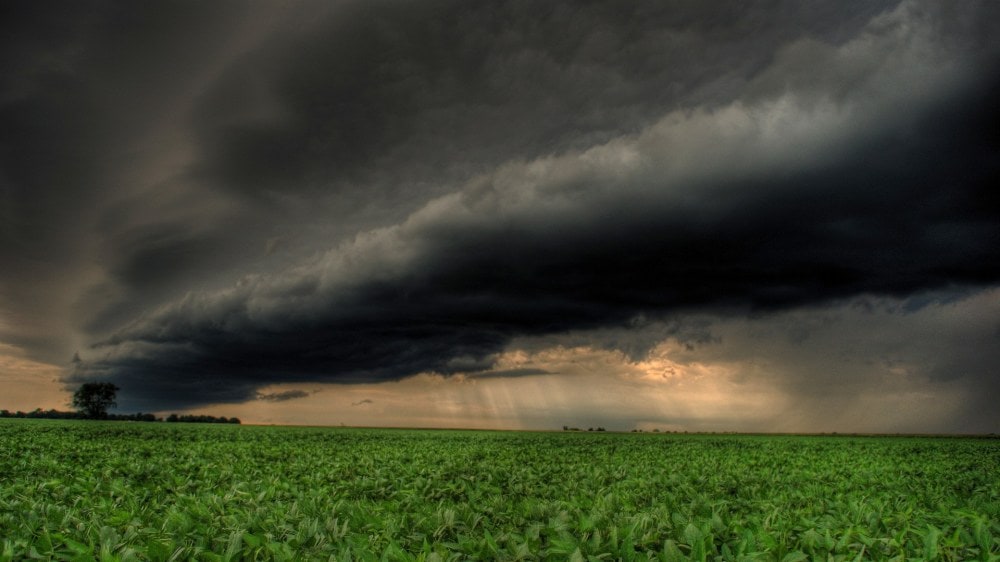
(93, 399)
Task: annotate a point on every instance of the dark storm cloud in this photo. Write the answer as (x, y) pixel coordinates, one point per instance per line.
(466, 174)
(282, 396)
(80, 84)
(511, 373)
(386, 96)
(445, 292)
(48, 119)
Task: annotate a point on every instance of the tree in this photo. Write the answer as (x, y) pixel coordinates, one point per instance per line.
(93, 399)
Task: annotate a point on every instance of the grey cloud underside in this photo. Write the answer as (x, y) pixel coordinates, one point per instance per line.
(413, 97)
(282, 396)
(511, 373)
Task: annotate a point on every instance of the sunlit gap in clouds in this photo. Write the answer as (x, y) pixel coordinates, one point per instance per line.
(546, 389)
(695, 390)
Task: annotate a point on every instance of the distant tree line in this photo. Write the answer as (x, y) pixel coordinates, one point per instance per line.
(39, 413)
(174, 418)
(568, 428)
(92, 401)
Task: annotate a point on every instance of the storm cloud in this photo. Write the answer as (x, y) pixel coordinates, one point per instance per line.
(282, 396)
(369, 191)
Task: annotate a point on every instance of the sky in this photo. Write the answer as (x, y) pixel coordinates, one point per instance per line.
(685, 216)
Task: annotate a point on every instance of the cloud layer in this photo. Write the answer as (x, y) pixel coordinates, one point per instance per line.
(369, 191)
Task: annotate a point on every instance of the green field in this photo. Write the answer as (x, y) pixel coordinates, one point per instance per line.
(74, 490)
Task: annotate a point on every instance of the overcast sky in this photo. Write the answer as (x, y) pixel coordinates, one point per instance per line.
(749, 216)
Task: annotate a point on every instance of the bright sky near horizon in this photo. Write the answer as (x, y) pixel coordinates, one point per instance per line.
(725, 216)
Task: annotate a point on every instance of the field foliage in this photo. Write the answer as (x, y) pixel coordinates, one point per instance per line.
(74, 490)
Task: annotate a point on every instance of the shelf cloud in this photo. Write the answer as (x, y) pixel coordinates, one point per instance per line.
(370, 191)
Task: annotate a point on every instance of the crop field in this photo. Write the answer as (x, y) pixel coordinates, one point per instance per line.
(73, 490)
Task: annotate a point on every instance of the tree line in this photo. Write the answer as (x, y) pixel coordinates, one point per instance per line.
(53, 414)
(92, 401)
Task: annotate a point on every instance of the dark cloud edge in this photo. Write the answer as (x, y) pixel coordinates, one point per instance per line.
(898, 216)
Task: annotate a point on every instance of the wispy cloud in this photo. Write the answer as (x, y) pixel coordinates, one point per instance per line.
(283, 395)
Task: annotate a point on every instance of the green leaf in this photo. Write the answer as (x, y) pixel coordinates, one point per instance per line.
(812, 539)
(280, 551)
(490, 542)
(253, 541)
(157, 551)
(75, 546)
(678, 518)
(692, 534)
(931, 538)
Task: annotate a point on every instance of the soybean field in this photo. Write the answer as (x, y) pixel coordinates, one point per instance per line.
(110, 491)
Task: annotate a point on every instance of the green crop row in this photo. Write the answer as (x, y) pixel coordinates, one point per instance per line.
(77, 490)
